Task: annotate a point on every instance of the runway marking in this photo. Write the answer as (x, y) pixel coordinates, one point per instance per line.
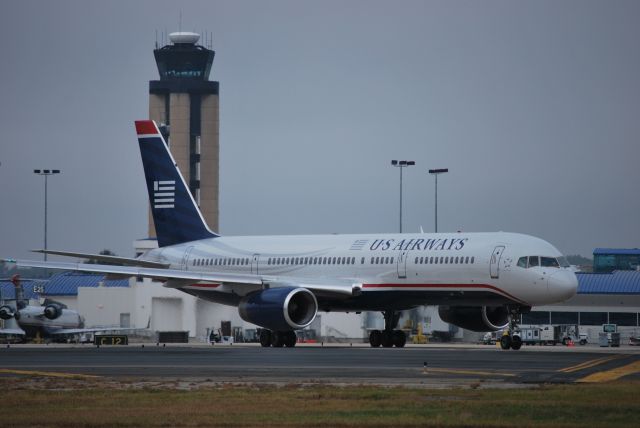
(467, 372)
(48, 374)
(591, 363)
(612, 374)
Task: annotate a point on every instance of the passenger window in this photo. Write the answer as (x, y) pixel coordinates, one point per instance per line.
(549, 262)
(473, 259)
(533, 261)
(362, 261)
(522, 262)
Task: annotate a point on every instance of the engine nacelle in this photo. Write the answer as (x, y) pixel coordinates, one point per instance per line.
(6, 312)
(476, 318)
(52, 311)
(279, 309)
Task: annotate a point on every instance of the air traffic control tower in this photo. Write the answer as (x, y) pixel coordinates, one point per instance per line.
(186, 101)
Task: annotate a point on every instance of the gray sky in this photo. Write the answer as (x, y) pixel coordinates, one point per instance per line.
(533, 106)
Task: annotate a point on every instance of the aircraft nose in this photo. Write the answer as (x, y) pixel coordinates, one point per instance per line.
(563, 285)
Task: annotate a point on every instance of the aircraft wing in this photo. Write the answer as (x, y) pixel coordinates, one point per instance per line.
(13, 331)
(183, 277)
(62, 331)
(124, 261)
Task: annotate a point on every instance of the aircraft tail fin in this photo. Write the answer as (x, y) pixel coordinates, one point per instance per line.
(175, 213)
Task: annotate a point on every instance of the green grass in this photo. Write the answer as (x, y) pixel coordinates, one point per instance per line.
(72, 403)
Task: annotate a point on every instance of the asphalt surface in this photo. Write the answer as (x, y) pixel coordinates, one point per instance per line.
(427, 365)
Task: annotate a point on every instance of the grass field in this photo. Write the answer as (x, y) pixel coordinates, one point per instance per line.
(65, 402)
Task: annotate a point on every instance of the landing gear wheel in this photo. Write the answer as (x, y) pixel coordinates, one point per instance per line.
(290, 339)
(516, 343)
(277, 339)
(505, 342)
(387, 339)
(265, 338)
(375, 338)
(399, 338)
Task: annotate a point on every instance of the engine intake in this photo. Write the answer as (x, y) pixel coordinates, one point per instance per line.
(52, 311)
(476, 318)
(279, 309)
(6, 312)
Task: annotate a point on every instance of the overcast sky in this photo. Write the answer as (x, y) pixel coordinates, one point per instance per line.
(534, 106)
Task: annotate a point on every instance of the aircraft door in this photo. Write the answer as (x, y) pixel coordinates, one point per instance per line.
(185, 258)
(495, 261)
(254, 263)
(402, 264)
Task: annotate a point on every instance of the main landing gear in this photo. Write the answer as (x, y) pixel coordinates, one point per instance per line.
(278, 339)
(388, 337)
(511, 337)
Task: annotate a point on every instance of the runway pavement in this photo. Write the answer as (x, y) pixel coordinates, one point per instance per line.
(425, 365)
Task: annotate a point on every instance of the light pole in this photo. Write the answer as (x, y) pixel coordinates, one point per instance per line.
(46, 173)
(401, 164)
(437, 172)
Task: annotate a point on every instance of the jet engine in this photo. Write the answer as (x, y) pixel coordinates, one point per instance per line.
(52, 311)
(476, 318)
(279, 309)
(6, 312)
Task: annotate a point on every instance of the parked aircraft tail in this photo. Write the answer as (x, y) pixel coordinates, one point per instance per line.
(175, 213)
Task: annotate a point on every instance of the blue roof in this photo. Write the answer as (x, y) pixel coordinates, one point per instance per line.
(616, 282)
(7, 292)
(617, 251)
(61, 284)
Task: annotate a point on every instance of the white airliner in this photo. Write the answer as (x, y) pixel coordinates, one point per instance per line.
(51, 320)
(482, 281)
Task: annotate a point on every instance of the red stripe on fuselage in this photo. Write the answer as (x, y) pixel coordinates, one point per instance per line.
(486, 286)
(145, 127)
(204, 285)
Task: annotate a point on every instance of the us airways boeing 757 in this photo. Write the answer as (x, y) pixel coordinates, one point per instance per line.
(481, 281)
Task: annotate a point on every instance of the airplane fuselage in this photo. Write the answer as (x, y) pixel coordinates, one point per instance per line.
(390, 271)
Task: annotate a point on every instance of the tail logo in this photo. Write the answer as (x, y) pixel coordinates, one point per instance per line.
(164, 194)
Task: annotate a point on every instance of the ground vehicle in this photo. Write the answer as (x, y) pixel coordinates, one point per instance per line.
(552, 335)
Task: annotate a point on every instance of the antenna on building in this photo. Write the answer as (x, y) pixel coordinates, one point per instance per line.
(180, 22)
(156, 38)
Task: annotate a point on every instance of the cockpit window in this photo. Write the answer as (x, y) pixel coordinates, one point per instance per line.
(533, 261)
(549, 262)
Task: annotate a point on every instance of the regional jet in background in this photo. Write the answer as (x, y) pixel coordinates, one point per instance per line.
(50, 321)
(481, 281)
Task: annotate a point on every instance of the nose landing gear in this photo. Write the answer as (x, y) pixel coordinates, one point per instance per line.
(511, 338)
(388, 337)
